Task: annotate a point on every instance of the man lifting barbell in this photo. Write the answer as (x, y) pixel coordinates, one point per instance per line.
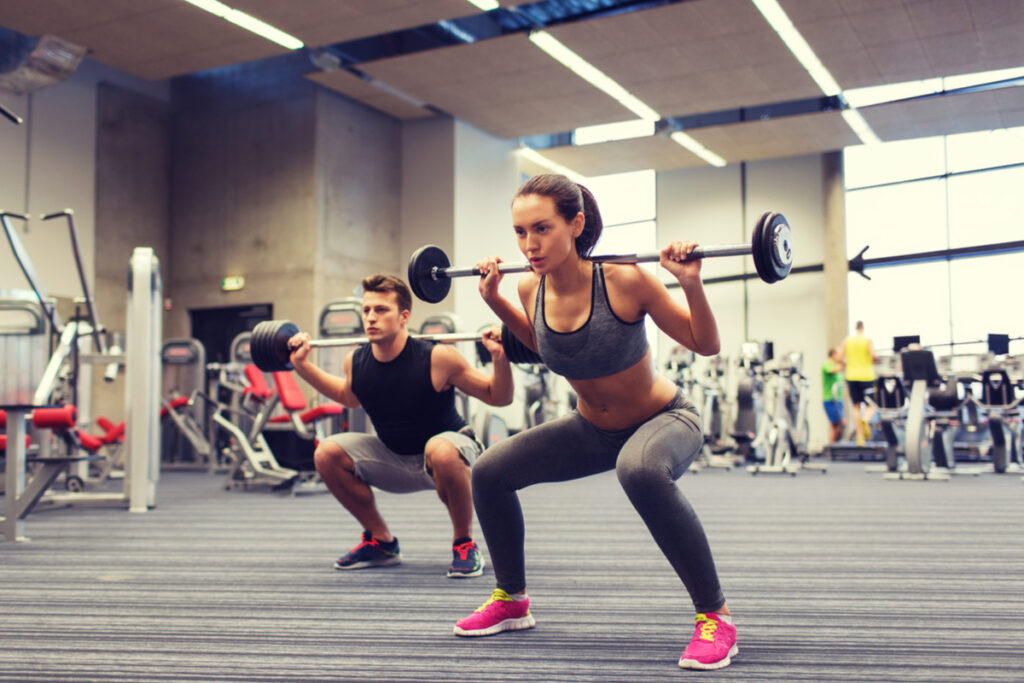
(406, 385)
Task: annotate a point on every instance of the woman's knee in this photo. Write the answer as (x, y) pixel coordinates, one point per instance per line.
(489, 469)
(636, 473)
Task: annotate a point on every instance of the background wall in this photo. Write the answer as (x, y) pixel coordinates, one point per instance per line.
(91, 144)
(48, 163)
(428, 198)
(243, 194)
(721, 206)
(358, 196)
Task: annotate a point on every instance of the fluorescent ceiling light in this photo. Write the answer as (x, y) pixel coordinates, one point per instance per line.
(981, 78)
(591, 74)
(248, 22)
(606, 132)
(485, 5)
(891, 92)
(779, 20)
(541, 160)
(860, 126)
(684, 140)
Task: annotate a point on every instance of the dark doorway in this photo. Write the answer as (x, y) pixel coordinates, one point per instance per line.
(216, 327)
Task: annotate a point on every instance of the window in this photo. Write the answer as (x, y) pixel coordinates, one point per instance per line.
(934, 194)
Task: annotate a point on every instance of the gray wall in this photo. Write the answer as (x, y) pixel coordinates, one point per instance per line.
(79, 139)
(49, 163)
(358, 196)
(243, 198)
(428, 191)
(132, 206)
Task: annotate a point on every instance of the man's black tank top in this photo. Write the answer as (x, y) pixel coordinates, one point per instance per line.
(400, 398)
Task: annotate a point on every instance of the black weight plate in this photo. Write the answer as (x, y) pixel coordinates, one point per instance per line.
(756, 250)
(516, 351)
(780, 253)
(257, 346)
(268, 345)
(283, 331)
(766, 249)
(421, 267)
(261, 346)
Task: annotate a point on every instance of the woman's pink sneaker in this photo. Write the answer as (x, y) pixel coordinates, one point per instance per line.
(500, 613)
(713, 645)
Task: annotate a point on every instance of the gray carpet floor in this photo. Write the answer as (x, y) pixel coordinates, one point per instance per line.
(835, 577)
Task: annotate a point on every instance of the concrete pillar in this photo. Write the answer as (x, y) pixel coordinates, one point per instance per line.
(835, 258)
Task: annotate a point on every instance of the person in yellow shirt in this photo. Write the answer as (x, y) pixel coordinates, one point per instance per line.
(857, 353)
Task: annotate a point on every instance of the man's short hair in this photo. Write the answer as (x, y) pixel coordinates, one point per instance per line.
(390, 283)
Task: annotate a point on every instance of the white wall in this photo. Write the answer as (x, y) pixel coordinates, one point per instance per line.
(486, 177)
(707, 205)
(47, 164)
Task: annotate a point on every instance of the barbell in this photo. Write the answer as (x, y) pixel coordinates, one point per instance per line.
(271, 352)
(771, 245)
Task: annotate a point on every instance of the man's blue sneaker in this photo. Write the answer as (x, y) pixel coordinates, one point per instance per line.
(370, 553)
(466, 561)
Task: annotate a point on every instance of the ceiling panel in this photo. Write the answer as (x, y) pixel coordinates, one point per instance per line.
(321, 22)
(150, 38)
(504, 86)
(690, 57)
(873, 42)
(657, 152)
(693, 57)
(356, 88)
(774, 138)
(36, 17)
(947, 114)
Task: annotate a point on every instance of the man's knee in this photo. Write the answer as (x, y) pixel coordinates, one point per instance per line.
(442, 456)
(330, 457)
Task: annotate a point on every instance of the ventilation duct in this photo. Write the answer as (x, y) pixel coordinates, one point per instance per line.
(31, 64)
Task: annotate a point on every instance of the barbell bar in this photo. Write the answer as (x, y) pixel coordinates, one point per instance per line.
(771, 245)
(271, 352)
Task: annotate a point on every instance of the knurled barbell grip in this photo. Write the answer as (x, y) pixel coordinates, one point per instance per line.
(649, 257)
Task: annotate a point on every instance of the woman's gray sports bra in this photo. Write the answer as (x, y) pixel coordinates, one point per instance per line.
(604, 345)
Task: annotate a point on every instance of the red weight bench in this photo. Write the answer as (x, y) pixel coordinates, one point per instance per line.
(297, 417)
(21, 496)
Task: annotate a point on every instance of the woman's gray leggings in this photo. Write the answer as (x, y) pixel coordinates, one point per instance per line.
(647, 458)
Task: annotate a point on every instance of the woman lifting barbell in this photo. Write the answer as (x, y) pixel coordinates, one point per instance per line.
(585, 319)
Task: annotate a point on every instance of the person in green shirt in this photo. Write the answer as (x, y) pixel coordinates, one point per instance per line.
(832, 393)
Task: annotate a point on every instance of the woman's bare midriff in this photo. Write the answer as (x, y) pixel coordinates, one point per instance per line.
(624, 399)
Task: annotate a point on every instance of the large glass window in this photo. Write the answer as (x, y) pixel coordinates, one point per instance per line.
(986, 207)
(892, 162)
(625, 197)
(934, 194)
(902, 300)
(897, 219)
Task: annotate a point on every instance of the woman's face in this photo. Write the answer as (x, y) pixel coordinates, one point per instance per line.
(545, 238)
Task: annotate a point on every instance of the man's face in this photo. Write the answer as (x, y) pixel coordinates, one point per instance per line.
(381, 317)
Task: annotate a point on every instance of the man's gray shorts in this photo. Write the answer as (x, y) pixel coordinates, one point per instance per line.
(379, 466)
